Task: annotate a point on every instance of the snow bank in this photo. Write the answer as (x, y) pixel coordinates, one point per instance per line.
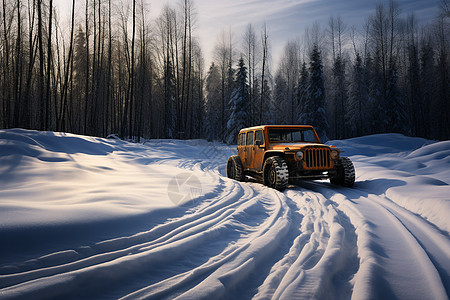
(412, 172)
(55, 184)
(88, 218)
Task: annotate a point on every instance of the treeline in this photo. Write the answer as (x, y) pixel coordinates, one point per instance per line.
(391, 75)
(112, 69)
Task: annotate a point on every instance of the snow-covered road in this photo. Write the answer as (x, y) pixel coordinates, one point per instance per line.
(83, 217)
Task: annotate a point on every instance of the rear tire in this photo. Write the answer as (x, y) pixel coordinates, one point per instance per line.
(345, 173)
(276, 173)
(235, 170)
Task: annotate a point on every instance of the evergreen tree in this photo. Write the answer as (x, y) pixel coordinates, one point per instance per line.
(280, 100)
(441, 99)
(339, 97)
(303, 96)
(376, 119)
(414, 92)
(255, 112)
(427, 83)
(268, 107)
(229, 87)
(396, 112)
(358, 98)
(239, 104)
(213, 103)
(317, 95)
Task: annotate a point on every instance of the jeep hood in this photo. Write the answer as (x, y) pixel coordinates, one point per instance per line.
(295, 146)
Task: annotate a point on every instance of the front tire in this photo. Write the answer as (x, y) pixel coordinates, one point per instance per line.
(276, 173)
(235, 170)
(345, 173)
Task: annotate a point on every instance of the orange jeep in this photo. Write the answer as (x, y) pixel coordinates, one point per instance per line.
(277, 154)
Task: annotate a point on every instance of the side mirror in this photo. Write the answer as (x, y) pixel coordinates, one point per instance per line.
(258, 143)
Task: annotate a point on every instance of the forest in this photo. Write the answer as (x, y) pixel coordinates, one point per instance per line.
(112, 69)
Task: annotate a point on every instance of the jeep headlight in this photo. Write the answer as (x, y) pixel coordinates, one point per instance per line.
(299, 155)
(334, 154)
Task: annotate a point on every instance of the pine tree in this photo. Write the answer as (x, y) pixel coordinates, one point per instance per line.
(427, 83)
(317, 95)
(358, 99)
(239, 104)
(376, 119)
(280, 100)
(303, 96)
(254, 117)
(414, 90)
(441, 101)
(213, 103)
(228, 90)
(339, 97)
(396, 112)
(268, 107)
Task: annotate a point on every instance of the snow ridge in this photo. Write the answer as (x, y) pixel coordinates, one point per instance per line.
(84, 217)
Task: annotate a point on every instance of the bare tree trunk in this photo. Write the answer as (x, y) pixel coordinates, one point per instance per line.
(341, 30)
(175, 59)
(32, 57)
(49, 62)
(68, 70)
(18, 106)
(94, 81)
(264, 39)
(132, 72)
(108, 78)
(6, 91)
(127, 93)
(379, 26)
(189, 16)
(249, 43)
(331, 24)
(180, 118)
(57, 79)
(102, 78)
(41, 68)
(86, 90)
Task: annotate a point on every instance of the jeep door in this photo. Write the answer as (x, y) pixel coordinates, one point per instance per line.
(241, 146)
(258, 151)
(248, 150)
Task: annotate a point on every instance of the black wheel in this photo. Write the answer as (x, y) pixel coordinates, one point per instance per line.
(276, 173)
(235, 169)
(345, 173)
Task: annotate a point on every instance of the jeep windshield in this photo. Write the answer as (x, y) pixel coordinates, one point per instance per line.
(294, 135)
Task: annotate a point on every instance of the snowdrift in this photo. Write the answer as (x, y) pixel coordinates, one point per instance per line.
(85, 217)
(412, 172)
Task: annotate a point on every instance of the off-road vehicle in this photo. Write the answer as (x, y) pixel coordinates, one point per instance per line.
(278, 154)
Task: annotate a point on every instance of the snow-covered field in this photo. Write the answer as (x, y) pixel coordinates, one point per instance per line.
(91, 218)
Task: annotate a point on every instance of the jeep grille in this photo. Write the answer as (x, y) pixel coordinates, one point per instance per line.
(317, 158)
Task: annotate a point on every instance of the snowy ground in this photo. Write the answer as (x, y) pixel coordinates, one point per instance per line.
(84, 217)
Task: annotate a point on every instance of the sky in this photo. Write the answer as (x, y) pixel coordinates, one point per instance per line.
(286, 19)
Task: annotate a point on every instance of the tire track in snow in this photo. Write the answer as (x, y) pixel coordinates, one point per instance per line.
(165, 233)
(435, 244)
(220, 276)
(231, 269)
(322, 258)
(246, 240)
(396, 247)
(227, 214)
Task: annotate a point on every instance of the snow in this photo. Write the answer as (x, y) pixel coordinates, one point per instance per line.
(412, 172)
(85, 217)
